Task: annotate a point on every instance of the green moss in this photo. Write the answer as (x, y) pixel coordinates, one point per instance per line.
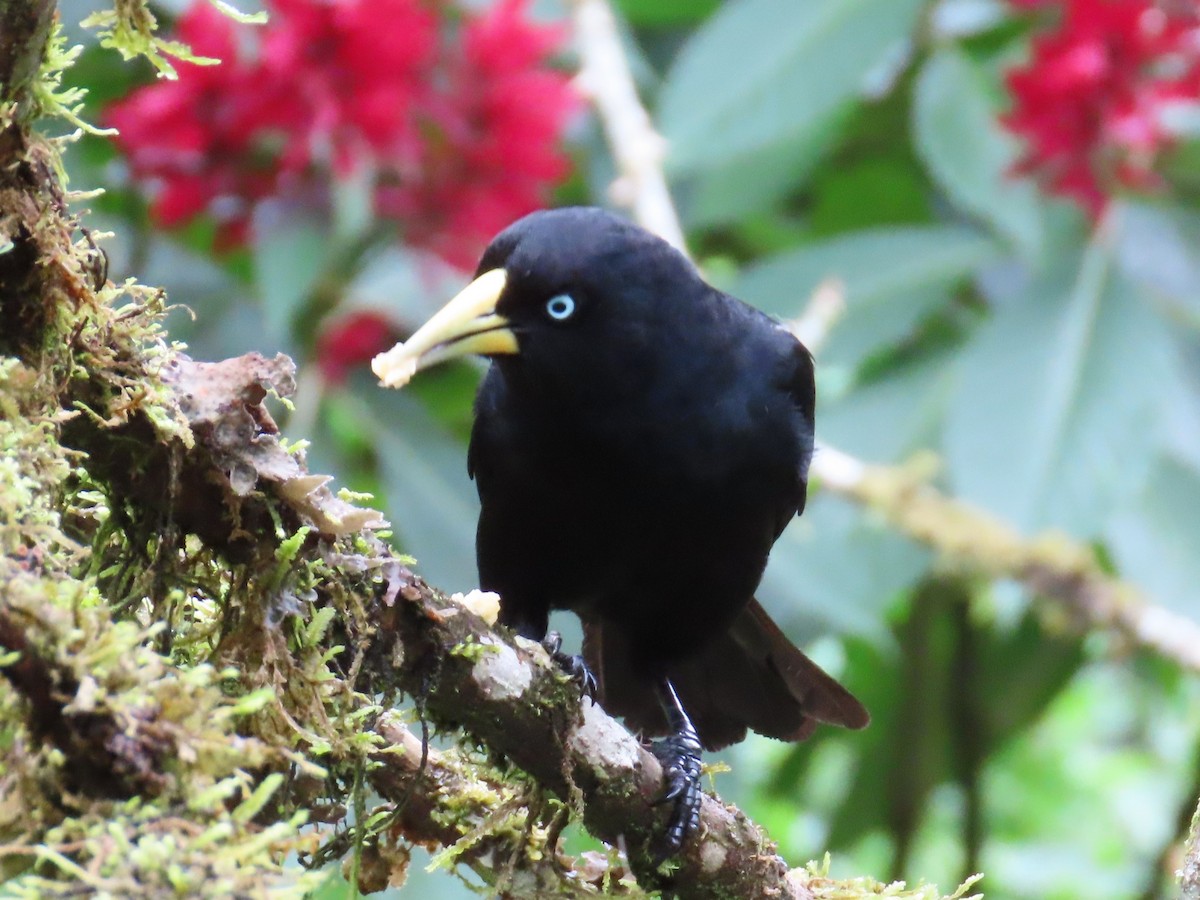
(816, 879)
(472, 649)
(189, 685)
(137, 849)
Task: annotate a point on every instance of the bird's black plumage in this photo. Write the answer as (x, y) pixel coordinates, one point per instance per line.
(640, 441)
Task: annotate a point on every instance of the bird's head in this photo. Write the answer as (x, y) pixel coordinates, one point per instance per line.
(554, 293)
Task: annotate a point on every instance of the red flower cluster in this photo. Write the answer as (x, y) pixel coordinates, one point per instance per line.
(453, 113)
(500, 137)
(352, 340)
(1090, 102)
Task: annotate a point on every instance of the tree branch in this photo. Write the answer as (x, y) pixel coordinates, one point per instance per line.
(188, 448)
(187, 508)
(1189, 875)
(506, 693)
(510, 695)
(441, 799)
(1052, 565)
(638, 149)
(24, 30)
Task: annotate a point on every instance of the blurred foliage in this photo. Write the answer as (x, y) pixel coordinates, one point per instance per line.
(1052, 362)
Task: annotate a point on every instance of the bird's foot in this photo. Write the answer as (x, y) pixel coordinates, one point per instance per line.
(680, 758)
(574, 666)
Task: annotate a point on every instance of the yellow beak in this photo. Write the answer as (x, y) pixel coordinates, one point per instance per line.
(467, 324)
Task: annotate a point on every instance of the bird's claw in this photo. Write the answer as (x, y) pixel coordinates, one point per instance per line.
(574, 665)
(680, 759)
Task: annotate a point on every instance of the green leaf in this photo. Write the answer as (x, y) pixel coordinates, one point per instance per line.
(252, 702)
(318, 625)
(1182, 438)
(875, 192)
(1058, 408)
(910, 745)
(837, 570)
(1158, 247)
(892, 278)
(657, 14)
(1155, 542)
(763, 71)
(872, 264)
(208, 797)
(960, 18)
(950, 691)
(890, 418)
(253, 805)
(1026, 666)
(968, 154)
(290, 253)
(757, 182)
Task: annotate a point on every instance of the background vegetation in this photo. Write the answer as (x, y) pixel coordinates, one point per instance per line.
(1002, 195)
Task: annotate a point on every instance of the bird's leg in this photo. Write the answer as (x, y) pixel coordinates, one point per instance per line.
(680, 758)
(575, 666)
(532, 626)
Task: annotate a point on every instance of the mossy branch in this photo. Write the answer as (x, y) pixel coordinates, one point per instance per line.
(1053, 565)
(24, 32)
(1189, 874)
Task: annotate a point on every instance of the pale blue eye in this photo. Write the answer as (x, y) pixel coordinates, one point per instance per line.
(560, 307)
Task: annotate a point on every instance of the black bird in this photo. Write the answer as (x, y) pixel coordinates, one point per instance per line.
(640, 441)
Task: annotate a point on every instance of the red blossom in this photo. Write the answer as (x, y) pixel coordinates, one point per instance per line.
(207, 140)
(1090, 101)
(497, 127)
(357, 68)
(454, 113)
(350, 341)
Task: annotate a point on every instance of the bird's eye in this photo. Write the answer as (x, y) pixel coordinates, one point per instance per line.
(560, 307)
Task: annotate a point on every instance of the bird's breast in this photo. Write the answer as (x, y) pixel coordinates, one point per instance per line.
(647, 512)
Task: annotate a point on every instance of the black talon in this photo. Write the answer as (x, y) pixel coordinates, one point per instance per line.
(679, 755)
(573, 665)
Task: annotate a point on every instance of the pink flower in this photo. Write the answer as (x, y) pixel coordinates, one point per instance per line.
(350, 341)
(454, 114)
(1090, 101)
(358, 68)
(208, 141)
(495, 146)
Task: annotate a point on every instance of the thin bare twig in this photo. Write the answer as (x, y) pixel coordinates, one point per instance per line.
(1053, 565)
(826, 305)
(605, 77)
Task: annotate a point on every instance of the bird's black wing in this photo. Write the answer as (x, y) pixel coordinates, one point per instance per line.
(484, 436)
(800, 383)
(751, 677)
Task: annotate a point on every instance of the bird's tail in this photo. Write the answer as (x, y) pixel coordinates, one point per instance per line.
(751, 677)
